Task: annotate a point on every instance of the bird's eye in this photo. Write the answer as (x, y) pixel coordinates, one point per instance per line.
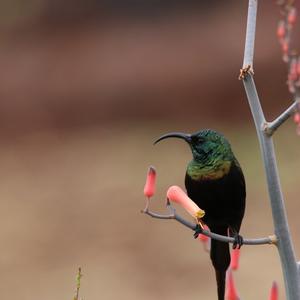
(197, 139)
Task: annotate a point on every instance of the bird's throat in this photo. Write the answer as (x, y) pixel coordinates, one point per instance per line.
(216, 170)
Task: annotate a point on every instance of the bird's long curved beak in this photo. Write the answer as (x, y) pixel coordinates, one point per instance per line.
(179, 135)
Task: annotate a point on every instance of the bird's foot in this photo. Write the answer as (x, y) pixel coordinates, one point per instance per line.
(198, 230)
(238, 241)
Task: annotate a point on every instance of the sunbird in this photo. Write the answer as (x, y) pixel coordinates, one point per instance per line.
(215, 181)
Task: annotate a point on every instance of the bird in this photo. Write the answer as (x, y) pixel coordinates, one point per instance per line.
(215, 181)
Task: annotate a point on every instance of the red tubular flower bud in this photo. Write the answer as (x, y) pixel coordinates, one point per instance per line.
(292, 16)
(149, 188)
(274, 291)
(285, 57)
(231, 292)
(297, 118)
(281, 30)
(177, 195)
(285, 47)
(298, 67)
(293, 70)
(235, 257)
(291, 86)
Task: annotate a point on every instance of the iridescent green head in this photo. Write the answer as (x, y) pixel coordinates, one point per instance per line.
(212, 154)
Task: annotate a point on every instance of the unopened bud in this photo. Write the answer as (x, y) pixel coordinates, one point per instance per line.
(285, 57)
(177, 195)
(149, 188)
(285, 47)
(292, 16)
(281, 30)
(231, 292)
(291, 86)
(297, 118)
(293, 70)
(235, 257)
(298, 66)
(274, 291)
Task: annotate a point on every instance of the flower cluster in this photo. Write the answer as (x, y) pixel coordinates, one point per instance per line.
(289, 54)
(285, 28)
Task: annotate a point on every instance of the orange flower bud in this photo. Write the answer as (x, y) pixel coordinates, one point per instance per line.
(281, 30)
(297, 118)
(149, 188)
(231, 292)
(298, 67)
(285, 47)
(293, 70)
(235, 257)
(274, 291)
(285, 57)
(177, 195)
(292, 16)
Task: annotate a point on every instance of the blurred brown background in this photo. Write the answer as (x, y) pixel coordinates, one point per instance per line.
(85, 88)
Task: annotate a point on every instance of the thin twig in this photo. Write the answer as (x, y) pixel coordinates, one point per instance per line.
(174, 216)
(78, 283)
(270, 127)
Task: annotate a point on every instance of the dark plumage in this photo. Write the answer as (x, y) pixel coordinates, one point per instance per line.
(215, 182)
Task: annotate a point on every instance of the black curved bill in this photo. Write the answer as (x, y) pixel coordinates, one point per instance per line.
(179, 135)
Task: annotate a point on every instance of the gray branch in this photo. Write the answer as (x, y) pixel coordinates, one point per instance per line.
(270, 127)
(250, 34)
(174, 216)
(284, 243)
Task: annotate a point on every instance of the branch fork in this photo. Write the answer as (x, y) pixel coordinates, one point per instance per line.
(270, 127)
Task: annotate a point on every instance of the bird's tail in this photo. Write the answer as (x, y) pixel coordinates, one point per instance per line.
(220, 256)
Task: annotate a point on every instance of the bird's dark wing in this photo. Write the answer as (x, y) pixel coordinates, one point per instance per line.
(223, 200)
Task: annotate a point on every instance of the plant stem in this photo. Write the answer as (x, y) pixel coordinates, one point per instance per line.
(272, 126)
(250, 34)
(174, 216)
(284, 244)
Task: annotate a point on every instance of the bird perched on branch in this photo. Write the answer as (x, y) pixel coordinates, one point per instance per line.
(215, 182)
